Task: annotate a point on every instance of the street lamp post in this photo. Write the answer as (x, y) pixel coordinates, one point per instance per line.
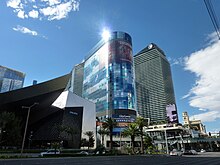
(165, 131)
(25, 129)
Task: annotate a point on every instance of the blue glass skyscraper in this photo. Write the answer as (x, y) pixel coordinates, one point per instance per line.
(109, 78)
(10, 79)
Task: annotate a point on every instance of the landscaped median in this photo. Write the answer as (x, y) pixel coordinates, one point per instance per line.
(12, 156)
(36, 153)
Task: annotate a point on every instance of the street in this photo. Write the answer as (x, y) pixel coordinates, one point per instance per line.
(201, 159)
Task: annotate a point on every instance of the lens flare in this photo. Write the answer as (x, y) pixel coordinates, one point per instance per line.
(106, 35)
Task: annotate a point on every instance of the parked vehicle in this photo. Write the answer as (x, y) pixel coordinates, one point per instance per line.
(175, 152)
(190, 152)
(203, 151)
(50, 152)
(84, 153)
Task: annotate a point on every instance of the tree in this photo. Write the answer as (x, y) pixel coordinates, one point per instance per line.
(56, 146)
(84, 142)
(132, 130)
(70, 131)
(91, 140)
(141, 123)
(109, 124)
(148, 143)
(10, 129)
(102, 132)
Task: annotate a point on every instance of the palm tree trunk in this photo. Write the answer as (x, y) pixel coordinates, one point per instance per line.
(142, 146)
(132, 142)
(102, 139)
(111, 141)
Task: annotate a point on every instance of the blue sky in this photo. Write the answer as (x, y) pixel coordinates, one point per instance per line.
(46, 38)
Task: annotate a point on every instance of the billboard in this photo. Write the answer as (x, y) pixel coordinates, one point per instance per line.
(124, 118)
(120, 51)
(172, 116)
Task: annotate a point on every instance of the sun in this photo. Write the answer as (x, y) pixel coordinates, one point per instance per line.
(106, 35)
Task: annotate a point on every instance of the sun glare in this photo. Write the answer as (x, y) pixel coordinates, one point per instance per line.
(106, 35)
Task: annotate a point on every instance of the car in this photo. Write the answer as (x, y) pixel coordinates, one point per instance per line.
(190, 152)
(83, 153)
(203, 151)
(194, 152)
(175, 152)
(50, 152)
(100, 153)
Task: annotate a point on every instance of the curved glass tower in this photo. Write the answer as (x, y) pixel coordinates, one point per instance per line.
(109, 78)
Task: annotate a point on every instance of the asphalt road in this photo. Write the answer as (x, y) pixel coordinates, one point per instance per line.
(201, 159)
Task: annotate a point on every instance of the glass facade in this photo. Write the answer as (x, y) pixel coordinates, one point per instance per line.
(10, 79)
(75, 84)
(109, 78)
(121, 75)
(154, 86)
(95, 82)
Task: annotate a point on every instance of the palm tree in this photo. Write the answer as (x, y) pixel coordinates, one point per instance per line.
(96, 129)
(90, 134)
(140, 122)
(72, 132)
(109, 124)
(148, 141)
(132, 130)
(102, 132)
(69, 130)
(10, 129)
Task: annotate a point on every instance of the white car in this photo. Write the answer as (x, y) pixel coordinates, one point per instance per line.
(203, 151)
(174, 152)
(50, 152)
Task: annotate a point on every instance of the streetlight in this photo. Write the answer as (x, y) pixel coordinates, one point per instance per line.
(165, 131)
(25, 129)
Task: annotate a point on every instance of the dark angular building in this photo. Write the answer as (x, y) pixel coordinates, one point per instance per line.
(154, 86)
(46, 118)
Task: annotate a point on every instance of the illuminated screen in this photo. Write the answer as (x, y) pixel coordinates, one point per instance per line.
(109, 77)
(172, 113)
(121, 74)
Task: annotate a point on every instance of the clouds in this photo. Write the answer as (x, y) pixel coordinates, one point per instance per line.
(25, 30)
(212, 38)
(176, 61)
(207, 116)
(205, 94)
(16, 4)
(43, 9)
(33, 14)
(58, 12)
(28, 31)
